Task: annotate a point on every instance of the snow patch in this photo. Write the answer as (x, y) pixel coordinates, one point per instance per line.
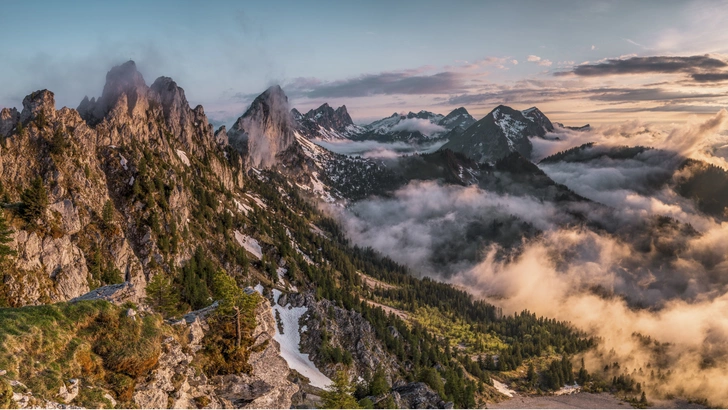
(290, 342)
(250, 244)
(183, 157)
(124, 162)
(257, 201)
(242, 207)
(502, 388)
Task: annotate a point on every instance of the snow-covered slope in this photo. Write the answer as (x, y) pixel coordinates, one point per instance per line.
(289, 337)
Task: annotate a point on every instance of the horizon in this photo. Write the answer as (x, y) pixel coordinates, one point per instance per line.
(629, 62)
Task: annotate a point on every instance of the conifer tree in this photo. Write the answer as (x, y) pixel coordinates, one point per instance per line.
(35, 200)
(162, 296)
(107, 215)
(340, 394)
(5, 238)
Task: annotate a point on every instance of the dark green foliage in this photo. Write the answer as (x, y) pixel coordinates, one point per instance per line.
(107, 216)
(223, 354)
(707, 185)
(35, 201)
(196, 280)
(379, 384)
(59, 142)
(334, 354)
(5, 238)
(340, 394)
(558, 374)
(162, 296)
(111, 274)
(432, 378)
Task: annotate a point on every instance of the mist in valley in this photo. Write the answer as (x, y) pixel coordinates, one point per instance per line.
(635, 264)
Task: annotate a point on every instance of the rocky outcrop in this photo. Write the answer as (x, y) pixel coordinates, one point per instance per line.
(267, 386)
(38, 103)
(418, 396)
(265, 130)
(176, 384)
(89, 157)
(57, 259)
(347, 330)
(9, 118)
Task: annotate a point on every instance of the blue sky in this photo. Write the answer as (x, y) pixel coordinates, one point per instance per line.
(375, 57)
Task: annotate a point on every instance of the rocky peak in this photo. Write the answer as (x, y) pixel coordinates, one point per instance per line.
(171, 96)
(327, 117)
(221, 136)
(296, 114)
(125, 92)
(37, 103)
(458, 119)
(535, 115)
(9, 118)
(266, 128)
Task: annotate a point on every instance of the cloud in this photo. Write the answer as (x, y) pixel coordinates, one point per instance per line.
(421, 125)
(645, 65)
(710, 77)
(533, 59)
(582, 261)
(410, 82)
(376, 149)
(593, 47)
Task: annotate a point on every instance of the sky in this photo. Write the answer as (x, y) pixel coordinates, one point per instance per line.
(579, 62)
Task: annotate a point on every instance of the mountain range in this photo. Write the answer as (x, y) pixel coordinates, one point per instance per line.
(151, 261)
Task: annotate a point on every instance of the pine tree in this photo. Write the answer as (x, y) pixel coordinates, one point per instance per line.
(107, 215)
(162, 296)
(35, 200)
(379, 384)
(5, 238)
(339, 394)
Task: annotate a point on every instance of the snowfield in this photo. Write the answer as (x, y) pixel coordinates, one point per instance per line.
(250, 244)
(290, 341)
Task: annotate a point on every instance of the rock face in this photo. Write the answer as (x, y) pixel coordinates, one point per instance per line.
(501, 132)
(9, 118)
(90, 157)
(325, 123)
(457, 121)
(176, 384)
(418, 396)
(265, 130)
(347, 330)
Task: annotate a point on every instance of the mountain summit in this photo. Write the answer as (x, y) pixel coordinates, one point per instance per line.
(501, 132)
(265, 129)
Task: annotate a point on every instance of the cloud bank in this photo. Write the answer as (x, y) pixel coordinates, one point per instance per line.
(613, 266)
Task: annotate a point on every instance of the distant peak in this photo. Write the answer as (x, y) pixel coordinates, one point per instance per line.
(275, 90)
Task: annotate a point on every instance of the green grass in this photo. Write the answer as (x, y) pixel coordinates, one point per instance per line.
(456, 330)
(45, 346)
